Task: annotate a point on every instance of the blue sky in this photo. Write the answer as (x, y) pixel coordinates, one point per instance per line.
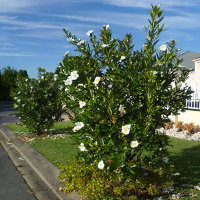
(31, 32)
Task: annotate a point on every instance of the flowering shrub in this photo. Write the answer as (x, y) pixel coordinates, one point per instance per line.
(37, 101)
(119, 97)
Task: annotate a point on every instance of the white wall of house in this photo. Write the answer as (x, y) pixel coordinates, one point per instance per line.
(194, 80)
(189, 116)
(192, 116)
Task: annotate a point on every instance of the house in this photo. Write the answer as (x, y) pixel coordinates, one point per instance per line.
(191, 60)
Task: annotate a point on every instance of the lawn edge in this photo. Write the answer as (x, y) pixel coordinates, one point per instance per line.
(47, 171)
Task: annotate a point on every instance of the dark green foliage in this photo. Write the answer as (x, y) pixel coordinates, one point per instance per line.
(132, 98)
(37, 101)
(8, 78)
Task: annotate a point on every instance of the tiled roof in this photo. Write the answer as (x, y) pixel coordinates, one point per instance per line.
(188, 58)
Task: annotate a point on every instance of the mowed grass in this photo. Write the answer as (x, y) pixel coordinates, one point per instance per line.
(184, 155)
(63, 125)
(57, 151)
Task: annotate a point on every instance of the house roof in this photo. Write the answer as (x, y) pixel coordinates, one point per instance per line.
(188, 58)
(196, 59)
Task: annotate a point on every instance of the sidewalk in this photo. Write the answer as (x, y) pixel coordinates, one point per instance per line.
(40, 175)
(38, 172)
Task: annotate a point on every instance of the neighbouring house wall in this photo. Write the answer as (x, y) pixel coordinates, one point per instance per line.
(194, 81)
(189, 116)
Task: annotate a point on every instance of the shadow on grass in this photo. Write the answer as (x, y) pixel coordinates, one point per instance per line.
(186, 160)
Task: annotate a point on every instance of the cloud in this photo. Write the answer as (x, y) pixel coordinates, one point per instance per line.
(20, 54)
(13, 6)
(167, 4)
(187, 21)
(123, 19)
(28, 43)
(43, 34)
(13, 20)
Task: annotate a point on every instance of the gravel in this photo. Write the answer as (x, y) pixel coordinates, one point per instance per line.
(181, 134)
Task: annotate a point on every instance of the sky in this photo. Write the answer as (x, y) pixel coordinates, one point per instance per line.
(31, 31)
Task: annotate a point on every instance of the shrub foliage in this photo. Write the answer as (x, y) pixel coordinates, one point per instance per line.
(118, 98)
(37, 101)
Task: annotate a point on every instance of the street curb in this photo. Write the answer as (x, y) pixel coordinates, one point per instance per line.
(47, 171)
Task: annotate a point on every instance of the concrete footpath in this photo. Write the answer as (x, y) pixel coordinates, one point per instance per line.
(37, 171)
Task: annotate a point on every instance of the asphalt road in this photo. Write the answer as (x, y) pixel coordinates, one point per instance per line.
(12, 185)
(6, 113)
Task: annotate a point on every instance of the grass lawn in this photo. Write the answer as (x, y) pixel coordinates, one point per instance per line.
(184, 155)
(57, 151)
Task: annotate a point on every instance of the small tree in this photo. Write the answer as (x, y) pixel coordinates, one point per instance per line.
(8, 77)
(37, 101)
(119, 98)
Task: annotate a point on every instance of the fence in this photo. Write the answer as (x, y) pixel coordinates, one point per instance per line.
(193, 104)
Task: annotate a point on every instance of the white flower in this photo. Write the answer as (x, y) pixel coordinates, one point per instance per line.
(197, 187)
(163, 47)
(74, 75)
(68, 82)
(104, 45)
(176, 196)
(134, 144)
(66, 54)
(82, 147)
(101, 164)
(66, 89)
(106, 26)
(126, 129)
(79, 125)
(173, 84)
(18, 100)
(76, 128)
(96, 80)
(80, 85)
(82, 104)
(81, 42)
(148, 37)
(63, 106)
(55, 77)
(159, 198)
(165, 159)
(70, 39)
(89, 32)
(110, 86)
(122, 109)
(180, 85)
(176, 174)
(122, 58)
(155, 72)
